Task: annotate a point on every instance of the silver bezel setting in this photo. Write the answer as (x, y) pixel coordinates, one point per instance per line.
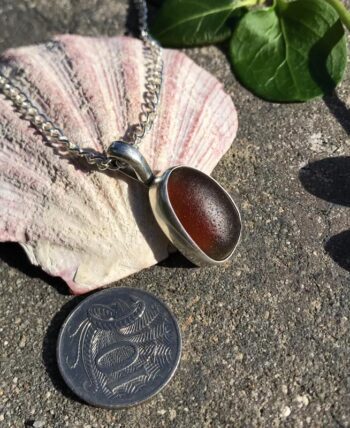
(172, 227)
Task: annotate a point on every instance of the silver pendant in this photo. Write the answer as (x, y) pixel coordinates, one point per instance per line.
(196, 214)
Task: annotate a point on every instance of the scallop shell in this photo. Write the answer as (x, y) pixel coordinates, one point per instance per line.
(88, 227)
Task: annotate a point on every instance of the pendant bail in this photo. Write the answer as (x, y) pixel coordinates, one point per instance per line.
(129, 154)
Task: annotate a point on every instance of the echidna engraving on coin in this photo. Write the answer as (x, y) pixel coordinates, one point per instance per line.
(124, 348)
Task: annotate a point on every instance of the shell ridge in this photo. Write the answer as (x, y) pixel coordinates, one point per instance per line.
(202, 127)
(119, 84)
(96, 71)
(78, 91)
(58, 84)
(88, 227)
(196, 123)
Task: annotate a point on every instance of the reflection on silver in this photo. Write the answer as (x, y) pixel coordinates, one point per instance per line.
(162, 207)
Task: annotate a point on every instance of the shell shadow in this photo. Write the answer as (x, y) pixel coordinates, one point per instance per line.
(14, 256)
(49, 348)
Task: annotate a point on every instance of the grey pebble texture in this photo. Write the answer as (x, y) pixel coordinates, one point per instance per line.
(266, 339)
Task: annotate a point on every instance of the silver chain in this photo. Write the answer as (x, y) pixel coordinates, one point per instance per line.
(153, 83)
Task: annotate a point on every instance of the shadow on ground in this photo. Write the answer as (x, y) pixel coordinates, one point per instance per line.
(49, 348)
(14, 256)
(177, 260)
(329, 179)
(338, 247)
(339, 110)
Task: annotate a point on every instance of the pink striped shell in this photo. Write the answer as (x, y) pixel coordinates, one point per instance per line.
(88, 227)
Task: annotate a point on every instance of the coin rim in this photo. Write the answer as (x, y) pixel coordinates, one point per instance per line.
(76, 309)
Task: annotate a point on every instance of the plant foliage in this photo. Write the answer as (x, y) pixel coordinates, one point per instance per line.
(288, 51)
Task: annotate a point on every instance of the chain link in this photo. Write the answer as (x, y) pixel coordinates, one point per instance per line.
(153, 77)
(153, 83)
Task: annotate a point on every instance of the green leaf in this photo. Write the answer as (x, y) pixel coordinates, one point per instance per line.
(194, 22)
(292, 51)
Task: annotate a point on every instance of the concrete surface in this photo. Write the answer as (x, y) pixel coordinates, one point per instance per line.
(266, 340)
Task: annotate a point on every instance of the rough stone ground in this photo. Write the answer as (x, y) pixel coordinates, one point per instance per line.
(266, 340)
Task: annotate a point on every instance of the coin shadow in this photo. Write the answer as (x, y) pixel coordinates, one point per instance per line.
(49, 348)
(14, 256)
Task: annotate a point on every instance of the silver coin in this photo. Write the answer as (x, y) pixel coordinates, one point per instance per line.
(119, 347)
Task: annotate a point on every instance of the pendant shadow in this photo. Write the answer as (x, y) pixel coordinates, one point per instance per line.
(177, 260)
(49, 346)
(14, 256)
(329, 179)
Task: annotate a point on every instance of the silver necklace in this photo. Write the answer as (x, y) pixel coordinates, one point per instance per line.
(194, 211)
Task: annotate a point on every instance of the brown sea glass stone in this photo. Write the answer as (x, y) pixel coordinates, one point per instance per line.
(205, 211)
